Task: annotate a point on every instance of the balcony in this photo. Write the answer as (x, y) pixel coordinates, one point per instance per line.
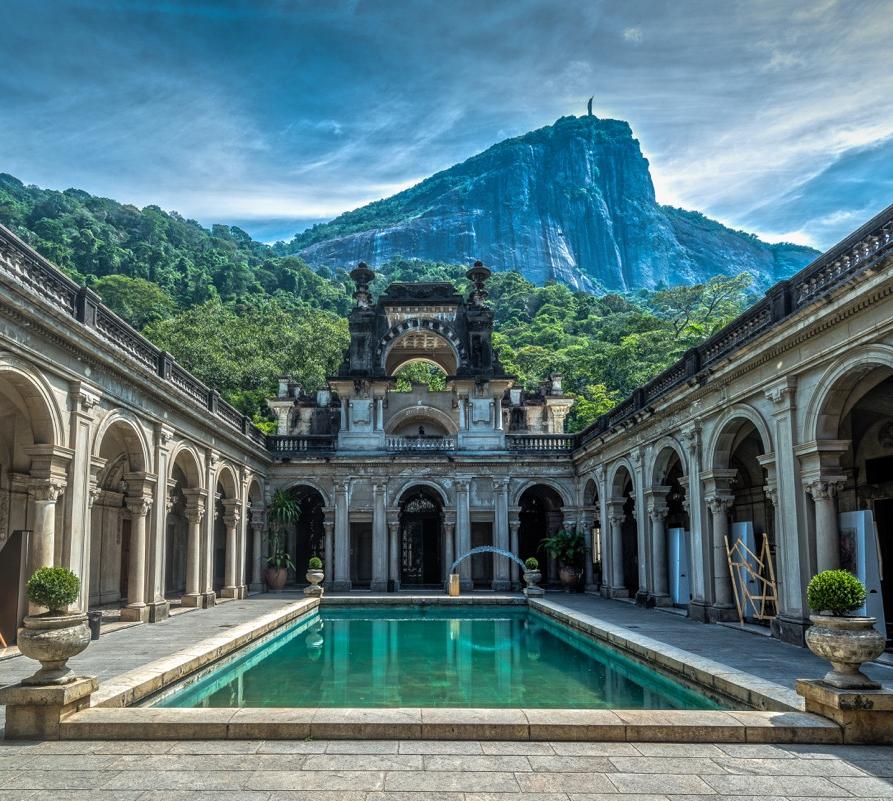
(420, 444)
(541, 443)
(288, 446)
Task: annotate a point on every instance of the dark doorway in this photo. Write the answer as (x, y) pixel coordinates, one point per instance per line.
(630, 543)
(482, 563)
(421, 545)
(308, 538)
(360, 554)
(540, 517)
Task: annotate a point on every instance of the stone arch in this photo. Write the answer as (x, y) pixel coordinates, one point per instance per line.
(35, 400)
(132, 436)
(722, 437)
(664, 450)
(407, 485)
(566, 497)
(422, 413)
(312, 484)
(590, 495)
(226, 475)
(186, 457)
(255, 493)
(442, 330)
(838, 389)
(615, 489)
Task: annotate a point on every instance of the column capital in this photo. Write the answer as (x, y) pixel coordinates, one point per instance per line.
(328, 526)
(501, 483)
(232, 511)
(164, 435)
(379, 485)
(341, 485)
(462, 483)
(138, 505)
(719, 502)
(46, 489)
(771, 491)
(824, 488)
(782, 393)
(718, 481)
(83, 398)
(258, 518)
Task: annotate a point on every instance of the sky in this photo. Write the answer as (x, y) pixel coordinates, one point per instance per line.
(770, 115)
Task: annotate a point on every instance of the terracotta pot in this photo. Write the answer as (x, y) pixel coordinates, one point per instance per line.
(570, 577)
(276, 577)
(846, 642)
(52, 640)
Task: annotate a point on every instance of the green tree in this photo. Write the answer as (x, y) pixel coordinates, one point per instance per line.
(138, 301)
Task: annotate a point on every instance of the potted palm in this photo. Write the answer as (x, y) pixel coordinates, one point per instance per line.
(284, 511)
(56, 635)
(314, 575)
(845, 641)
(567, 547)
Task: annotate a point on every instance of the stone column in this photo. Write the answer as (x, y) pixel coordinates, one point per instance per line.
(463, 531)
(379, 581)
(515, 528)
(394, 547)
(658, 592)
(156, 532)
(138, 504)
(341, 581)
(587, 521)
(258, 524)
(449, 551)
(554, 520)
(616, 518)
(699, 556)
(232, 514)
(328, 526)
(723, 607)
(827, 531)
(44, 492)
(195, 511)
(501, 581)
(209, 595)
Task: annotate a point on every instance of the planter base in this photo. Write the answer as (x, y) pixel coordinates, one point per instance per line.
(35, 713)
(534, 592)
(866, 716)
(314, 591)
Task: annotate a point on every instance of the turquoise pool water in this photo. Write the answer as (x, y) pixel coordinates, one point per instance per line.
(379, 656)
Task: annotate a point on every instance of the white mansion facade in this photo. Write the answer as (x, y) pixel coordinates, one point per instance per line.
(118, 463)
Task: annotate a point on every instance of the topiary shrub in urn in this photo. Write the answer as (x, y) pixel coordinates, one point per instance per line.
(314, 575)
(845, 641)
(55, 636)
(532, 577)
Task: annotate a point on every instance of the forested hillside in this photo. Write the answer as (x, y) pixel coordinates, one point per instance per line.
(238, 315)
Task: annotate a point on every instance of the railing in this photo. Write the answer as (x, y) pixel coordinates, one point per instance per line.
(860, 252)
(426, 444)
(299, 444)
(541, 443)
(32, 271)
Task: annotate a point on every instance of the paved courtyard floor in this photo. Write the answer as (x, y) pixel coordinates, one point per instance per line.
(345, 770)
(466, 771)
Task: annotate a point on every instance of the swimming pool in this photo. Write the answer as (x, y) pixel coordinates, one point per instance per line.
(432, 656)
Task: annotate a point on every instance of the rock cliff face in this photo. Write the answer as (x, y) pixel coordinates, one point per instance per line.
(573, 202)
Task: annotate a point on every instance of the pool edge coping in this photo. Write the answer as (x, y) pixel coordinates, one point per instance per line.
(703, 673)
(111, 713)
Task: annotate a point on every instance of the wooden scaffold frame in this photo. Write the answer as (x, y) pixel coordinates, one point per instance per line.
(745, 567)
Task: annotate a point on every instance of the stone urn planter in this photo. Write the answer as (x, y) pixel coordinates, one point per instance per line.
(847, 643)
(52, 639)
(276, 578)
(532, 579)
(314, 577)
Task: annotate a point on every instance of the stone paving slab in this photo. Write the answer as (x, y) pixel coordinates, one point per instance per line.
(345, 770)
(769, 659)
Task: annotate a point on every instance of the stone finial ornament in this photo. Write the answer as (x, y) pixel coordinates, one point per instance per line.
(362, 276)
(478, 275)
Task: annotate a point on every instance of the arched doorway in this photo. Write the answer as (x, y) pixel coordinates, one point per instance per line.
(32, 480)
(183, 491)
(421, 539)
(540, 514)
(670, 534)
(119, 522)
(306, 537)
(592, 529)
(227, 515)
(625, 541)
(735, 493)
(854, 459)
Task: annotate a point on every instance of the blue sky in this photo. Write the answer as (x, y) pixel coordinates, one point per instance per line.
(771, 116)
